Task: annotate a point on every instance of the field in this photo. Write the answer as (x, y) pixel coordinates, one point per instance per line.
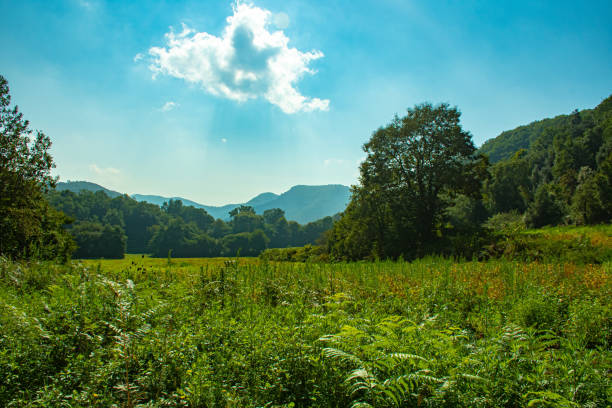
(249, 333)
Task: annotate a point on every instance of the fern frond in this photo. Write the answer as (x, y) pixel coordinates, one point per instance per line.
(361, 380)
(548, 398)
(361, 404)
(406, 356)
(342, 356)
(472, 377)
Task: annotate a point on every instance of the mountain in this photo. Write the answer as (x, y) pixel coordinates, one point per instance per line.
(308, 203)
(523, 137)
(216, 211)
(300, 203)
(262, 199)
(159, 200)
(77, 186)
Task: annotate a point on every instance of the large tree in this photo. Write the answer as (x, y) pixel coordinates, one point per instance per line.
(29, 227)
(414, 167)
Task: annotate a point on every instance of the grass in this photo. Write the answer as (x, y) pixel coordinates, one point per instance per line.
(598, 235)
(249, 333)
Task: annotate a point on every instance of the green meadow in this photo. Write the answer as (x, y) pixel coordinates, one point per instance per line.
(244, 332)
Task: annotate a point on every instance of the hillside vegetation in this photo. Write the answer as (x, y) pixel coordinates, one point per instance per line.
(509, 142)
(78, 186)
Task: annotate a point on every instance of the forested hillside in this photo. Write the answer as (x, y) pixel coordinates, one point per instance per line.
(509, 142)
(78, 186)
(564, 177)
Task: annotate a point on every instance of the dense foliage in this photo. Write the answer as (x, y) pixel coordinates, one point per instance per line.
(29, 227)
(175, 229)
(565, 176)
(415, 167)
(204, 333)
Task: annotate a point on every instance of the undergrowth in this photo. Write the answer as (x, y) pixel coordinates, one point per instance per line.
(238, 333)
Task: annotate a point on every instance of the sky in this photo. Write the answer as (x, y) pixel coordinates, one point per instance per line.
(218, 101)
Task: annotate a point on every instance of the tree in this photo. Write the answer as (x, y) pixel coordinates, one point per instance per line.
(244, 219)
(95, 240)
(29, 227)
(273, 215)
(590, 202)
(509, 185)
(544, 210)
(413, 169)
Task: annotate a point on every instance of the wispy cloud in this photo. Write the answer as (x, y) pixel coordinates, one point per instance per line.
(224, 140)
(103, 171)
(168, 106)
(331, 162)
(88, 5)
(247, 61)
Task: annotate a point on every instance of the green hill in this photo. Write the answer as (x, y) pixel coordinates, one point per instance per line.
(523, 137)
(78, 186)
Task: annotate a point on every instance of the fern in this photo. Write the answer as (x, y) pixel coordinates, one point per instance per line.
(548, 399)
(373, 382)
(128, 327)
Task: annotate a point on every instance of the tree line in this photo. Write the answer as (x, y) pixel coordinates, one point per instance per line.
(108, 227)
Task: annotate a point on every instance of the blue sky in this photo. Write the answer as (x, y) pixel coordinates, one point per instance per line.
(284, 92)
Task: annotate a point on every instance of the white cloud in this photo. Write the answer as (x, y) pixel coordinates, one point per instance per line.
(168, 106)
(246, 62)
(138, 57)
(224, 140)
(103, 171)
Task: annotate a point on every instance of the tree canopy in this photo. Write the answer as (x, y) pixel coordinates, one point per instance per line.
(29, 227)
(414, 168)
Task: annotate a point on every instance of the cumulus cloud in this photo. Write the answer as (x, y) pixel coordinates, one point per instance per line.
(168, 106)
(246, 62)
(103, 171)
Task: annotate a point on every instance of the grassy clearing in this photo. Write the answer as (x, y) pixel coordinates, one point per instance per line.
(208, 333)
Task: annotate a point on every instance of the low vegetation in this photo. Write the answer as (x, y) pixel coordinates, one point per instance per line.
(245, 332)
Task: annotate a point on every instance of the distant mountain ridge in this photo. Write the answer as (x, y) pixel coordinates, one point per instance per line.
(77, 186)
(301, 203)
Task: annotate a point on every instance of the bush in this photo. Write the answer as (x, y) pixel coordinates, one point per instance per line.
(590, 323)
(307, 253)
(539, 311)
